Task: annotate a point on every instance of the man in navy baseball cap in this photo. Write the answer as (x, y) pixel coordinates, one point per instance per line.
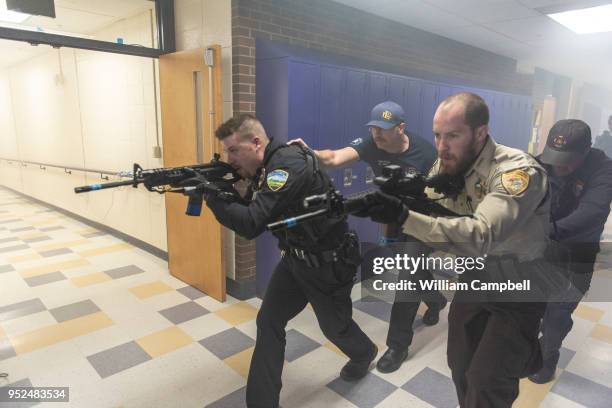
(386, 115)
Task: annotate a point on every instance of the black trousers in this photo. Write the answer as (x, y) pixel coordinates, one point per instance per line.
(490, 347)
(557, 321)
(405, 307)
(292, 286)
(406, 303)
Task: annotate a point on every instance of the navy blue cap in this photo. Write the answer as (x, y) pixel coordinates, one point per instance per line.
(385, 115)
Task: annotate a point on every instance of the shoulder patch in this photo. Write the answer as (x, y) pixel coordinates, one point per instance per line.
(276, 179)
(356, 142)
(515, 181)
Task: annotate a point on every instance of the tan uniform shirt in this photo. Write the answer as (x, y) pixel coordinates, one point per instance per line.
(506, 194)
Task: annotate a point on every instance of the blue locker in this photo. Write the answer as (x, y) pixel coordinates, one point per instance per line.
(429, 99)
(331, 113)
(412, 102)
(303, 100)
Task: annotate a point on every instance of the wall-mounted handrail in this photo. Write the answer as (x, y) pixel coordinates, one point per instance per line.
(67, 169)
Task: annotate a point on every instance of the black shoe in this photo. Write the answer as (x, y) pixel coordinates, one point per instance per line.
(356, 370)
(545, 375)
(391, 360)
(432, 315)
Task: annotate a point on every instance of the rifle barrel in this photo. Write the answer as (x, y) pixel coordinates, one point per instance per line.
(101, 186)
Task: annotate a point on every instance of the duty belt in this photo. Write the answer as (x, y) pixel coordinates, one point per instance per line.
(313, 259)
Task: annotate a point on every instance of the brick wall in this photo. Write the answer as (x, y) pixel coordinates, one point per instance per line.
(338, 29)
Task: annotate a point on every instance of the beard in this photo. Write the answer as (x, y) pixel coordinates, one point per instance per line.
(461, 164)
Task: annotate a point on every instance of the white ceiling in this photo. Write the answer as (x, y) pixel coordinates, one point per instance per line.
(72, 16)
(518, 29)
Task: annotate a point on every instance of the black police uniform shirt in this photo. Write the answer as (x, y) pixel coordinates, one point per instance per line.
(581, 201)
(286, 177)
(419, 157)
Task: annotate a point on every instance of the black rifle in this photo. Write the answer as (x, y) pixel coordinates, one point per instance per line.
(408, 186)
(216, 177)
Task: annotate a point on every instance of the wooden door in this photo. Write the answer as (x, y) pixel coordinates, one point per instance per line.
(191, 109)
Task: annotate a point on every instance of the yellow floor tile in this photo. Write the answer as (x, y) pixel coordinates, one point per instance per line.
(241, 362)
(164, 341)
(52, 267)
(602, 332)
(105, 250)
(30, 235)
(150, 289)
(44, 222)
(90, 279)
(90, 230)
(238, 313)
(23, 258)
(531, 395)
(589, 313)
(333, 348)
(47, 336)
(69, 244)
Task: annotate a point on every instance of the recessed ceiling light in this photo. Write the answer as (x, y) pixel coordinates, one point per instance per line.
(586, 21)
(11, 16)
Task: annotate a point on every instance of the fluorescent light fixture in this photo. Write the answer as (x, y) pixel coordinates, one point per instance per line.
(11, 16)
(586, 21)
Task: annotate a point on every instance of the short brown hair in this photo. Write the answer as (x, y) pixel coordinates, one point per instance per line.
(476, 109)
(245, 125)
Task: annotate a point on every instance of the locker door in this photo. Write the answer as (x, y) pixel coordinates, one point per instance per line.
(303, 101)
(412, 103)
(331, 114)
(397, 90)
(357, 115)
(429, 98)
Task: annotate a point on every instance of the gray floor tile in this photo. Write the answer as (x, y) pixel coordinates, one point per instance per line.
(123, 271)
(9, 239)
(30, 228)
(298, 345)
(37, 239)
(374, 307)
(236, 399)
(365, 393)
(74, 310)
(55, 252)
(582, 390)
(14, 248)
(55, 228)
(227, 343)
(6, 349)
(20, 309)
(117, 359)
(191, 292)
(44, 279)
(10, 221)
(21, 383)
(566, 357)
(434, 388)
(183, 312)
(6, 268)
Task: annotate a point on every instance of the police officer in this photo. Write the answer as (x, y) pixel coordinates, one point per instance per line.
(388, 142)
(581, 189)
(491, 344)
(604, 141)
(319, 258)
